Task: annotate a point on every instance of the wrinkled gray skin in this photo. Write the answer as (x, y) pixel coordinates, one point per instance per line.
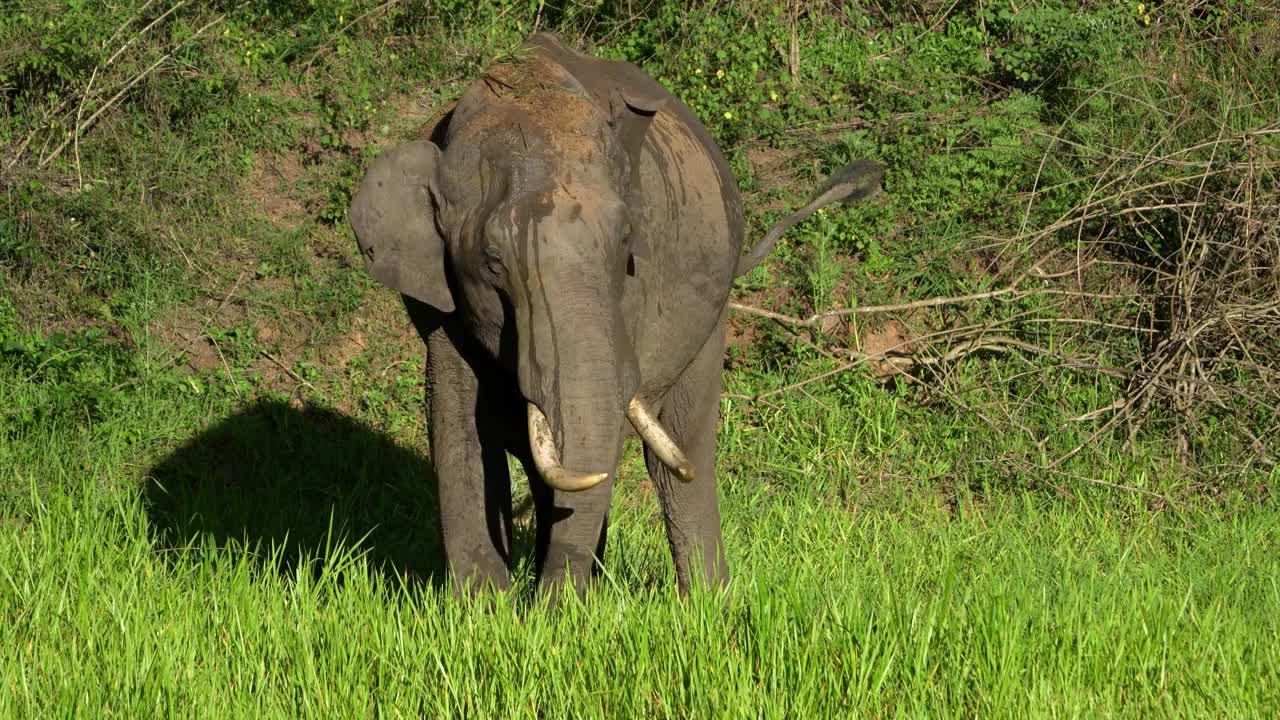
(567, 236)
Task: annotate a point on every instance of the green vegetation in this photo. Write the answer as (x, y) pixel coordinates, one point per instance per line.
(1015, 607)
(1053, 495)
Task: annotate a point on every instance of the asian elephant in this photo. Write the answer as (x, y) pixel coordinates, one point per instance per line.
(565, 239)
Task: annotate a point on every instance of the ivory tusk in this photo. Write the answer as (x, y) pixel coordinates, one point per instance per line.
(656, 437)
(547, 459)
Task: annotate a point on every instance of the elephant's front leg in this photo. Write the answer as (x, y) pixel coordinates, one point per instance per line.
(470, 461)
(691, 511)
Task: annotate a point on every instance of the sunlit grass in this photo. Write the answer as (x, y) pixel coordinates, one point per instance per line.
(1007, 604)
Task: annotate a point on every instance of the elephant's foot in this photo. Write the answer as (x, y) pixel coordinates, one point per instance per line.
(471, 577)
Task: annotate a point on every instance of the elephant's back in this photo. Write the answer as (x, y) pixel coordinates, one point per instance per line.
(680, 140)
(693, 214)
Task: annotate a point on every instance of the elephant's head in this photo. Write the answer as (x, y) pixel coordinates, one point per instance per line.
(514, 217)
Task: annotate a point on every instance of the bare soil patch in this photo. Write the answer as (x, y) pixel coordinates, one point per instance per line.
(772, 168)
(893, 337)
(271, 185)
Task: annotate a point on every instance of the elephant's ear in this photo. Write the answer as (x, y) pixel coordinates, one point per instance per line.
(394, 218)
(630, 114)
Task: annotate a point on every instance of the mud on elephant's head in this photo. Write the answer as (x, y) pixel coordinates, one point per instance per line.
(514, 216)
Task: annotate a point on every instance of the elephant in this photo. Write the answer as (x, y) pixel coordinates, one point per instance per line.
(564, 238)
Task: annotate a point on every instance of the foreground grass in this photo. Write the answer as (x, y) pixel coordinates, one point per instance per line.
(126, 603)
(1015, 611)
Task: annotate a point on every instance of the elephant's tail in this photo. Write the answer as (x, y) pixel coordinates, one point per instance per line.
(859, 180)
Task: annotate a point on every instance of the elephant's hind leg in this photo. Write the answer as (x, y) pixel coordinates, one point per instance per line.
(691, 511)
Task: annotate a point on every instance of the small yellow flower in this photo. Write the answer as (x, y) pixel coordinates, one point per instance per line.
(339, 19)
(728, 115)
(704, 86)
(1142, 8)
(822, 211)
(1146, 19)
(720, 73)
(698, 71)
(773, 95)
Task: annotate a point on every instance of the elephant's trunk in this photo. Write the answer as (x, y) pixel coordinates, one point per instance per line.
(578, 399)
(576, 363)
(576, 375)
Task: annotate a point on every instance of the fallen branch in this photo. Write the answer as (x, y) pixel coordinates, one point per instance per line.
(279, 363)
(858, 357)
(813, 320)
(1012, 289)
(778, 391)
(88, 92)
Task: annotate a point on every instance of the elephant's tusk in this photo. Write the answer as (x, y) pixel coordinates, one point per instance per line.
(656, 437)
(547, 459)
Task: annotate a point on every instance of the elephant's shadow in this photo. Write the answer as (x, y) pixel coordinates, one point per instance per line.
(291, 485)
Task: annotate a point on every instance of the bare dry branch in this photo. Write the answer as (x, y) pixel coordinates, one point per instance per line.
(80, 127)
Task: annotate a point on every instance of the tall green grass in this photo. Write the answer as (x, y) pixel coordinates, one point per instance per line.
(305, 584)
(1019, 609)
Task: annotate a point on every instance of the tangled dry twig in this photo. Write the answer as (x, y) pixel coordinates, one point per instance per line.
(1196, 229)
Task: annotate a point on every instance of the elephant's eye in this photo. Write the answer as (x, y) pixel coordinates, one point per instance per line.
(493, 262)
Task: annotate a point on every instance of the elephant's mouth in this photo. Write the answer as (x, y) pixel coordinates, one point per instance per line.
(542, 443)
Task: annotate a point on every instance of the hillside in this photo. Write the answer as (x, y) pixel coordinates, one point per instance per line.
(998, 443)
